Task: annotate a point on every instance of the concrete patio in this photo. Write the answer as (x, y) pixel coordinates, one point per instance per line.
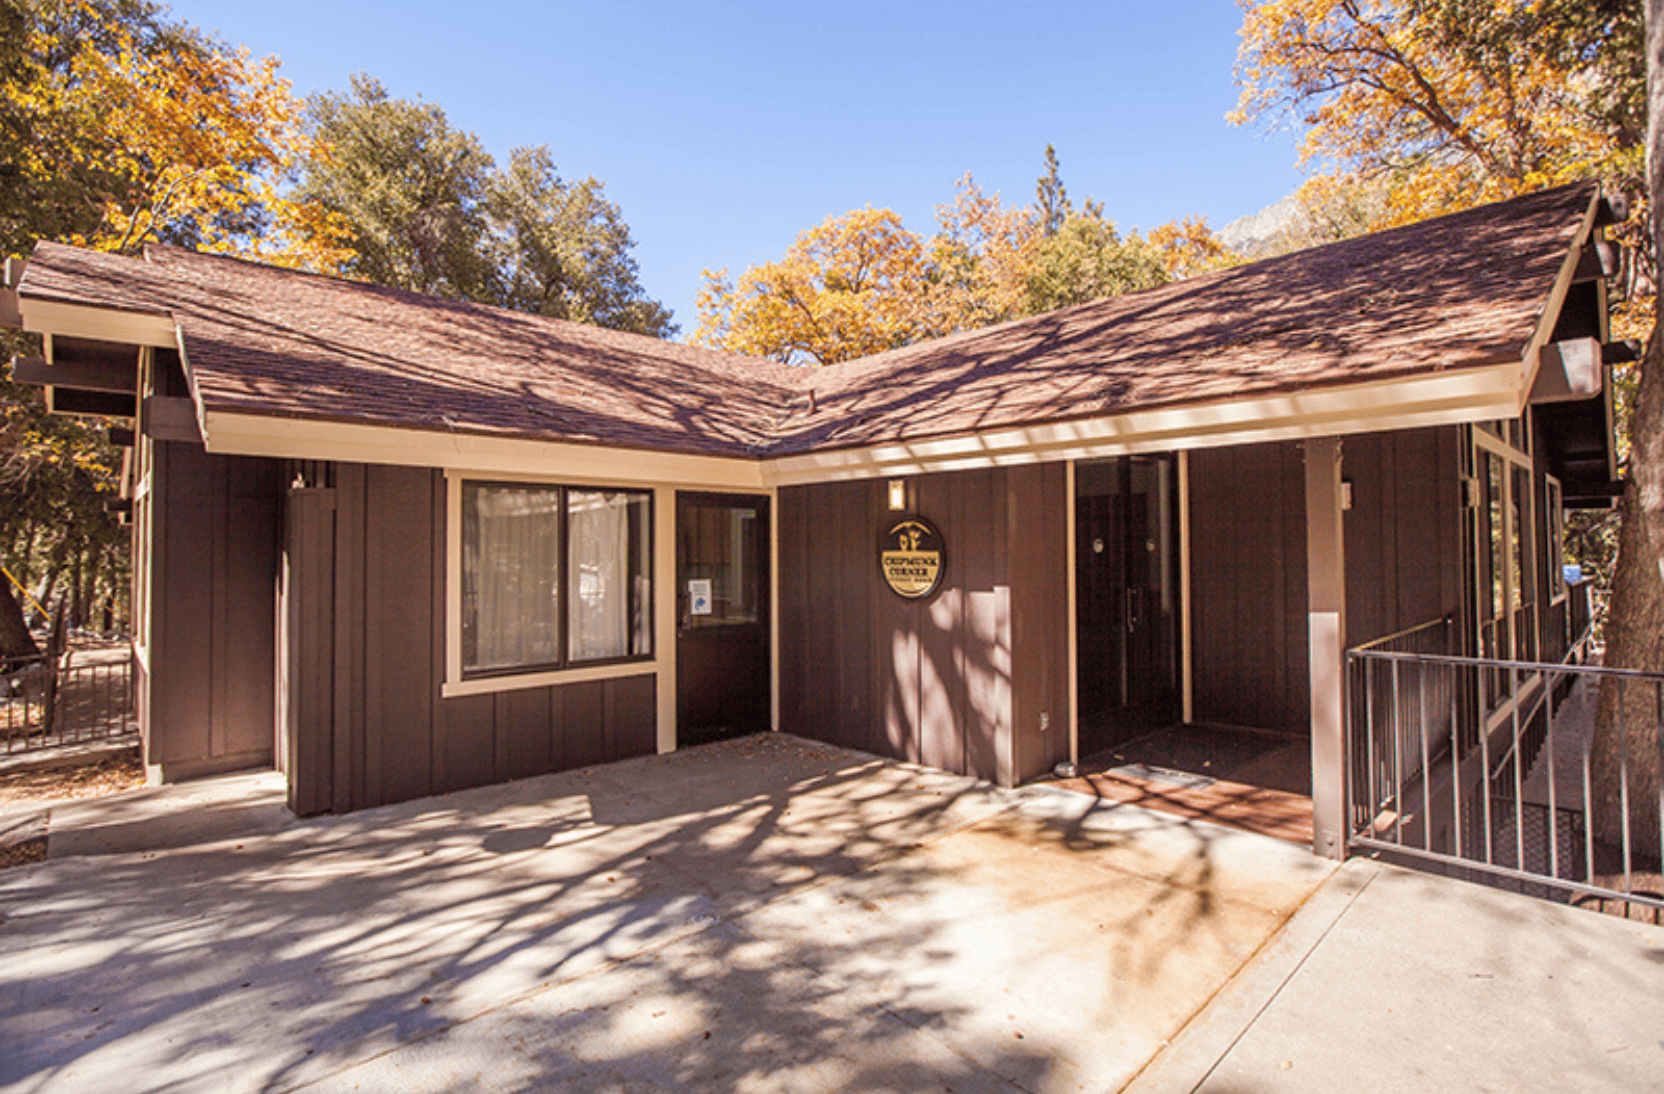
(774, 914)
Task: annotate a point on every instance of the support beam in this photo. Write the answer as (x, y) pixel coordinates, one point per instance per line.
(1326, 620)
(1568, 371)
(117, 377)
(170, 418)
(11, 312)
(96, 404)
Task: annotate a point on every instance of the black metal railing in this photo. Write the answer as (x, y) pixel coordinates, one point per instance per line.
(1490, 769)
(47, 702)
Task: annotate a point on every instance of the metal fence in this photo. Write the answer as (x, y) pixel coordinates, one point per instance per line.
(1491, 770)
(47, 702)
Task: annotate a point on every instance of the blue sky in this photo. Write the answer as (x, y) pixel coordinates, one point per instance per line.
(724, 129)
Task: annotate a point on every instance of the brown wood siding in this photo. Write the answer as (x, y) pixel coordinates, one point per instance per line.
(1403, 532)
(944, 681)
(304, 667)
(1040, 622)
(209, 701)
(1248, 586)
(389, 734)
(1248, 563)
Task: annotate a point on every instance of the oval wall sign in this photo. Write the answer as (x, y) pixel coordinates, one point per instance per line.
(911, 558)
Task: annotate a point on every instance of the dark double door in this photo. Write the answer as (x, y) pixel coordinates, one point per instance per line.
(1126, 598)
(722, 616)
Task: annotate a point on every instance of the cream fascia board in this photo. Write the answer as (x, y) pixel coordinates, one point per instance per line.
(191, 385)
(1464, 395)
(98, 324)
(236, 434)
(1550, 315)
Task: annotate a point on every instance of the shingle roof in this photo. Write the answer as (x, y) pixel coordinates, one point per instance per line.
(271, 341)
(1459, 291)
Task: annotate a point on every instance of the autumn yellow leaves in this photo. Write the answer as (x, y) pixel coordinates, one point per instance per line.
(862, 282)
(1426, 107)
(144, 134)
(1409, 109)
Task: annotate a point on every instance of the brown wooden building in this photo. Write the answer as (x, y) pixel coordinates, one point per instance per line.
(398, 545)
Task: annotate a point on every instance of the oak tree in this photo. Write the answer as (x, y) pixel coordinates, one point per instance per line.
(853, 285)
(430, 211)
(1442, 104)
(119, 127)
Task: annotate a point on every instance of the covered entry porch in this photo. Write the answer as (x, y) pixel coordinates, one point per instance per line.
(1195, 575)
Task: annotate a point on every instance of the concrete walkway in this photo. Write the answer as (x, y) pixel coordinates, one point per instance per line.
(772, 914)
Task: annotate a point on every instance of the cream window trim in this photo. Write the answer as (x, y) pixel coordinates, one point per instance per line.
(1501, 447)
(664, 612)
(1523, 535)
(491, 685)
(457, 685)
(1524, 701)
(1554, 528)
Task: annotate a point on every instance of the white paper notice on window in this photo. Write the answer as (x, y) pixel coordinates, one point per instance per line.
(699, 596)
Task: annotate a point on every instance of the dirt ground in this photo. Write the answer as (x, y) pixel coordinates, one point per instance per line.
(24, 843)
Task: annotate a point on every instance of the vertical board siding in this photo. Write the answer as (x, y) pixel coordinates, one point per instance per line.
(789, 516)
(851, 699)
(1248, 586)
(387, 731)
(941, 631)
(1403, 532)
(1040, 620)
(351, 790)
(304, 695)
(399, 523)
(953, 681)
(210, 702)
(1248, 563)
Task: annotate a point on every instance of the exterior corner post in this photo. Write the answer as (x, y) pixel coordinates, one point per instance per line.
(1326, 620)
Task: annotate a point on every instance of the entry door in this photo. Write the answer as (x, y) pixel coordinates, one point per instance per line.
(722, 610)
(1126, 598)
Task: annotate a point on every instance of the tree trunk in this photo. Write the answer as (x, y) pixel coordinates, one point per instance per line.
(77, 588)
(15, 639)
(1635, 621)
(1635, 631)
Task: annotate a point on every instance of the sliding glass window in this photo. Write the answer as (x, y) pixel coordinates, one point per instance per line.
(554, 576)
(608, 587)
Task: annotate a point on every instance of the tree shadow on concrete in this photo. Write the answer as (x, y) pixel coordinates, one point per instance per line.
(434, 924)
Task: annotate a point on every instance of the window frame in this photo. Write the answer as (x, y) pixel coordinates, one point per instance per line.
(1555, 520)
(1518, 515)
(461, 679)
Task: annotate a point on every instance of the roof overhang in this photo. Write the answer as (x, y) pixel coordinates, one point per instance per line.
(1500, 388)
(1460, 395)
(1463, 395)
(236, 434)
(101, 324)
(1542, 333)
